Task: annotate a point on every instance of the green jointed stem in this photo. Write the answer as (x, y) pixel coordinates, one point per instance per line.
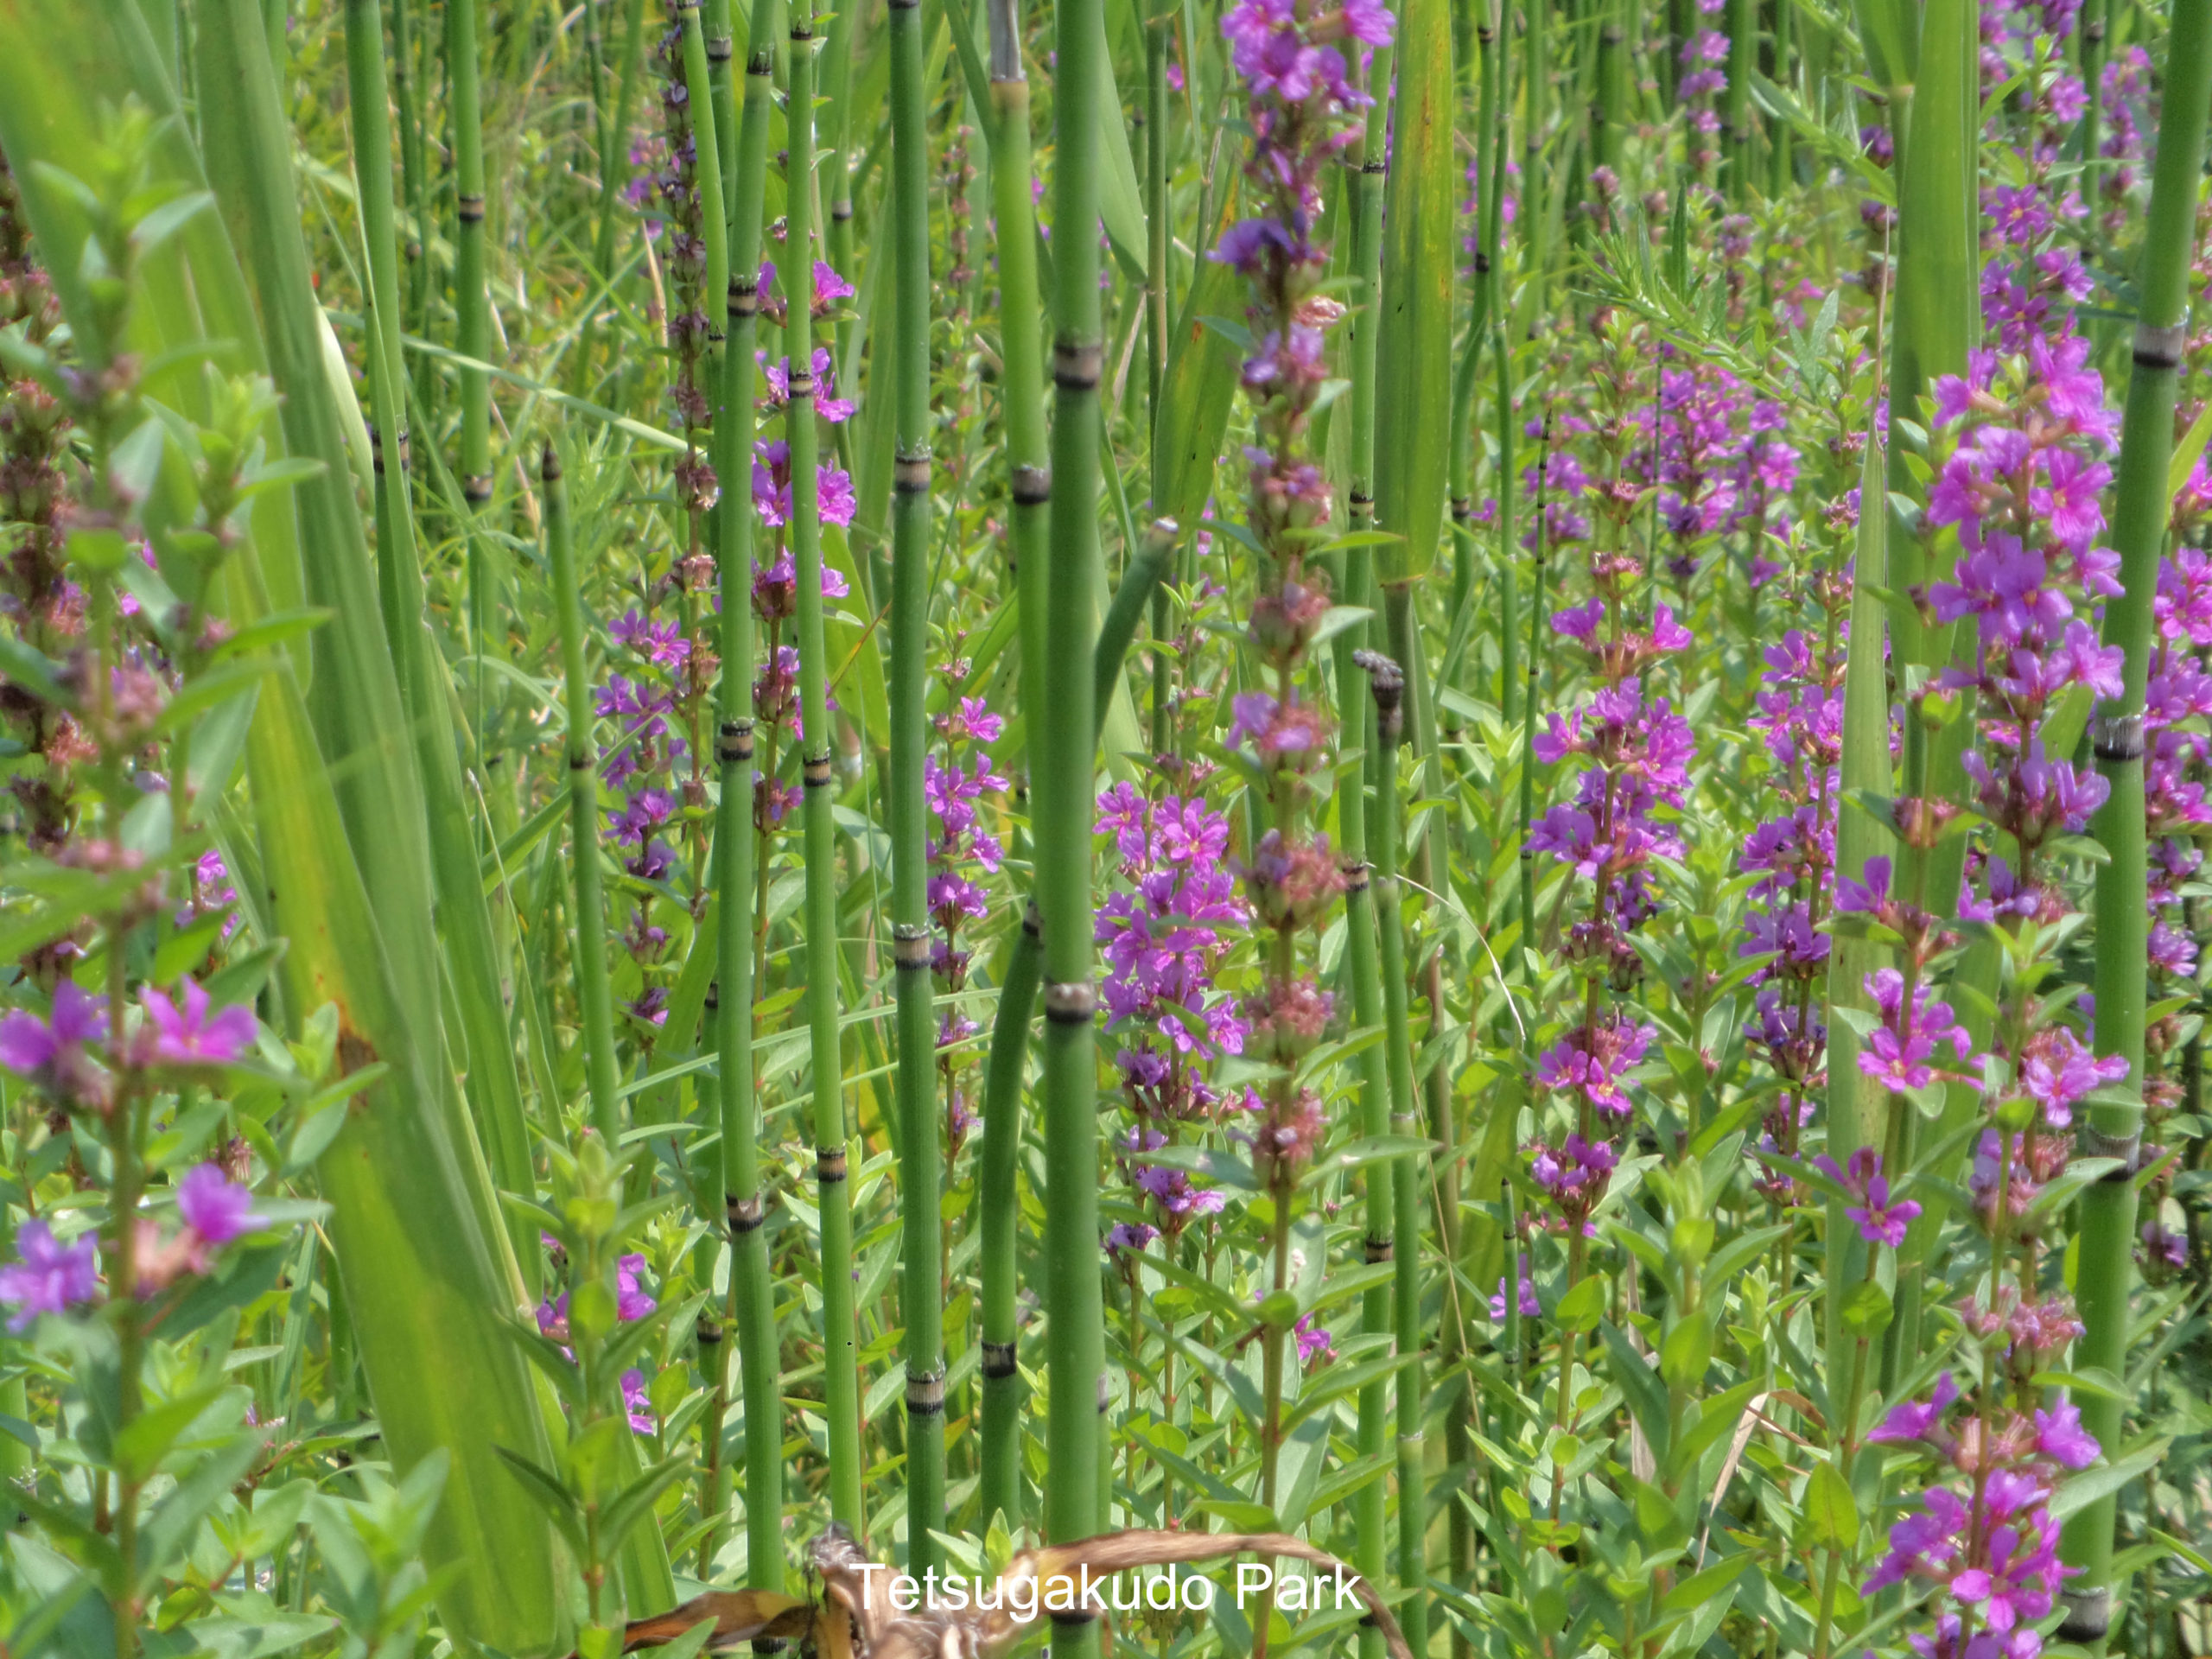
(996, 1212)
(613, 171)
(1609, 113)
(921, 1157)
(1405, 1172)
(1158, 305)
(732, 383)
(698, 85)
(1365, 332)
(1510, 672)
(1491, 264)
(2107, 1214)
(1937, 321)
(472, 301)
(715, 26)
(1010, 1052)
(840, 1336)
(1064, 782)
(752, 1284)
(1781, 169)
(415, 188)
(1536, 664)
(2090, 40)
(1534, 90)
(589, 922)
(1362, 966)
(1020, 334)
(1743, 59)
(834, 84)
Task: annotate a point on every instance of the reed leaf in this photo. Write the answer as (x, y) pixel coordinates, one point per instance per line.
(1420, 247)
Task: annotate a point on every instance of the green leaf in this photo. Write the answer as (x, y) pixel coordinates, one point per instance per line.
(1223, 1167)
(167, 1532)
(1830, 1518)
(1242, 1513)
(1639, 1386)
(1375, 1149)
(1413, 362)
(1199, 387)
(1337, 618)
(1582, 1306)
(1686, 1352)
(687, 1646)
(635, 1502)
(141, 1443)
(1717, 1417)
(2099, 1383)
(2189, 452)
(1867, 1309)
(2083, 1490)
(1121, 205)
(548, 1494)
(258, 1637)
(1701, 1586)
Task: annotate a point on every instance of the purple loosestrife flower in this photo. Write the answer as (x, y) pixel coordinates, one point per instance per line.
(1573, 1179)
(48, 1276)
(1298, 96)
(188, 1036)
(1525, 1293)
(217, 1209)
(1129, 1238)
(662, 643)
(1589, 1062)
(2165, 1250)
(952, 790)
(637, 1402)
(1988, 1555)
(1692, 456)
(1880, 1220)
(54, 1052)
(772, 489)
(1167, 1193)
(1314, 1342)
(832, 408)
(1899, 1049)
(2057, 1072)
(1161, 936)
(631, 1301)
(1800, 715)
